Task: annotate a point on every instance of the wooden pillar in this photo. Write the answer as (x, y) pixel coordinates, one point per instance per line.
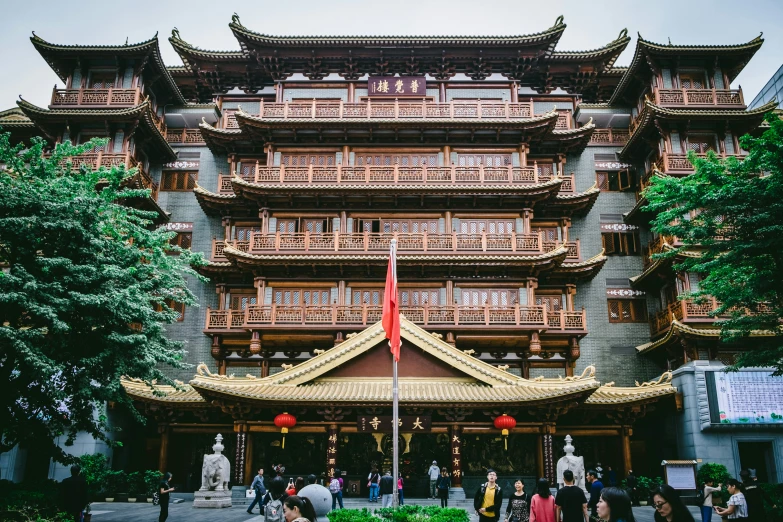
(523, 151)
(532, 284)
(240, 428)
(446, 156)
(449, 293)
(249, 471)
(226, 228)
(344, 220)
(526, 215)
(456, 455)
(331, 449)
(625, 439)
(270, 155)
(163, 457)
(351, 92)
(447, 216)
(264, 215)
(548, 454)
(442, 92)
(341, 293)
(570, 293)
(220, 290)
(260, 284)
(346, 155)
(566, 224)
(514, 92)
(540, 457)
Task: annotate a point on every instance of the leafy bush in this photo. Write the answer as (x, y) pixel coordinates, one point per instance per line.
(775, 491)
(151, 478)
(351, 515)
(94, 470)
(28, 501)
(715, 472)
(408, 513)
(116, 482)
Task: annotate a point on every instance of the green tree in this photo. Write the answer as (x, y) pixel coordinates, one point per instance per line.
(729, 216)
(84, 288)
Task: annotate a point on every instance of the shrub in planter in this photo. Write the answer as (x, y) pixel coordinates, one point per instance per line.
(94, 470)
(151, 479)
(351, 515)
(719, 474)
(117, 485)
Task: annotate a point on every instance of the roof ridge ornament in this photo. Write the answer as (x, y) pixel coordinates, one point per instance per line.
(203, 370)
(559, 20)
(235, 20)
(623, 34)
(666, 377)
(175, 34)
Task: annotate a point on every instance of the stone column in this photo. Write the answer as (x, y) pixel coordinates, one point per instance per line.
(331, 450)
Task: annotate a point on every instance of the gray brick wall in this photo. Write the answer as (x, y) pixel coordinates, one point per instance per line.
(608, 346)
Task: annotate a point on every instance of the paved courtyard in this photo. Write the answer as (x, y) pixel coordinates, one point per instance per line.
(130, 512)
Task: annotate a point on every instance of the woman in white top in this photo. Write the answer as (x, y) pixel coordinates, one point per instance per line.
(737, 507)
(706, 507)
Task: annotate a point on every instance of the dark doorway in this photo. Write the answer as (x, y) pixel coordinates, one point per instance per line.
(758, 455)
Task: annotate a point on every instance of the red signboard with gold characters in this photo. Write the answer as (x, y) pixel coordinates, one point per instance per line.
(396, 86)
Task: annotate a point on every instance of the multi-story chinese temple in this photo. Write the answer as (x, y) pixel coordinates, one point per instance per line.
(508, 170)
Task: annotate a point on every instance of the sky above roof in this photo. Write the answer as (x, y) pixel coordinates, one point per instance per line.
(590, 24)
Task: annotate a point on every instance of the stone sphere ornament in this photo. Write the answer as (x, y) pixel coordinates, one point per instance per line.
(319, 496)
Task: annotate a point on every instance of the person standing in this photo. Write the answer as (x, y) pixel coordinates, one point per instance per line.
(488, 499)
(164, 489)
(755, 496)
(611, 476)
(668, 505)
(336, 489)
(444, 483)
(399, 490)
(518, 509)
(74, 493)
(542, 505)
(633, 483)
(387, 489)
(615, 506)
(373, 481)
(595, 491)
(706, 505)
(571, 501)
(737, 506)
(260, 490)
(434, 473)
(298, 509)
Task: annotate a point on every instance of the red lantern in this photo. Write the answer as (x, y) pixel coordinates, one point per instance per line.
(285, 421)
(505, 423)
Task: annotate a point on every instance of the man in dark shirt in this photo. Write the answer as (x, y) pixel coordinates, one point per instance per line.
(633, 483)
(595, 491)
(571, 502)
(387, 489)
(755, 497)
(163, 490)
(74, 493)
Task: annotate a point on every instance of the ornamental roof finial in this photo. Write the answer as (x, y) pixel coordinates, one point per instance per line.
(623, 34)
(175, 34)
(235, 19)
(559, 20)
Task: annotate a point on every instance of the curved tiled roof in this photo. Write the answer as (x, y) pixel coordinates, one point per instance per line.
(15, 118)
(613, 49)
(612, 395)
(51, 52)
(183, 394)
(645, 47)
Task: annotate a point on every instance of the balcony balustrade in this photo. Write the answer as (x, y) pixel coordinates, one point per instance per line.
(609, 137)
(112, 97)
(260, 316)
(655, 246)
(96, 160)
(722, 98)
(370, 242)
(684, 311)
(679, 163)
(184, 137)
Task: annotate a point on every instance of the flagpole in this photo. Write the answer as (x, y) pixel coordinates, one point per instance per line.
(395, 403)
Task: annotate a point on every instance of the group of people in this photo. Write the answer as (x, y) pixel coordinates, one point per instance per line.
(279, 501)
(745, 504)
(440, 482)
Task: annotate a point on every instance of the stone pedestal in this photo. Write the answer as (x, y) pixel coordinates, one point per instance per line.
(212, 499)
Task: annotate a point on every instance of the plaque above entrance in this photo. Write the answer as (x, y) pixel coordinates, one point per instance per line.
(395, 87)
(383, 423)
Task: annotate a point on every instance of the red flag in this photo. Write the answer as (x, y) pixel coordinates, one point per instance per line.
(391, 313)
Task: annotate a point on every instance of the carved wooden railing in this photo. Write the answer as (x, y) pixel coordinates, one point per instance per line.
(609, 137)
(700, 97)
(655, 246)
(331, 242)
(685, 311)
(111, 97)
(398, 110)
(96, 160)
(184, 137)
(680, 163)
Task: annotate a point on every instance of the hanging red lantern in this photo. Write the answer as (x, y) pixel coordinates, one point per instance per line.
(505, 423)
(285, 421)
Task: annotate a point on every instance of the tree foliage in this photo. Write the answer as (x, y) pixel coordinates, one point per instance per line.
(84, 288)
(728, 215)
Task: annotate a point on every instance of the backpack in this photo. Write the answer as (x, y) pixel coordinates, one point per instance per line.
(700, 496)
(334, 486)
(273, 510)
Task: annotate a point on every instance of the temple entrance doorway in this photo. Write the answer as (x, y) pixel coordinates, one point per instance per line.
(186, 457)
(304, 454)
(481, 451)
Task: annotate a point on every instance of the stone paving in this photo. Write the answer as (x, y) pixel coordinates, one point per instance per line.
(136, 512)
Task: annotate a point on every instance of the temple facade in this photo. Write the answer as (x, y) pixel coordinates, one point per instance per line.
(510, 173)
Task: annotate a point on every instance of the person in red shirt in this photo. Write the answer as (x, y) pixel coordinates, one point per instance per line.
(542, 505)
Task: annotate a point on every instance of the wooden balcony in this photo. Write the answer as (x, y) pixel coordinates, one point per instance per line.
(396, 174)
(680, 164)
(112, 98)
(712, 98)
(397, 110)
(686, 311)
(345, 316)
(655, 246)
(407, 243)
(184, 137)
(96, 160)
(609, 137)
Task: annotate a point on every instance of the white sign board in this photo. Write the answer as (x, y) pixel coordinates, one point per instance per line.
(680, 477)
(746, 398)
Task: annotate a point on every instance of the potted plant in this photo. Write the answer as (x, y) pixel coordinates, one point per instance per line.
(94, 470)
(718, 474)
(135, 487)
(151, 480)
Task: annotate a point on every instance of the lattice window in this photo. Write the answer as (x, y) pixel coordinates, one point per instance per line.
(627, 310)
(102, 79)
(301, 296)
(488, 160)
(85, 137)
(550, 233)
(183, 240)
(315, 226)
(304, 160)
(405, 226)
(176, 180)
(615, 181)
(419, 297)
(553, 303)
(693, 80)
(389, 160)
(701, 143)
(489, 296)
(177, 307)
(245, 233)
(489, 226)
(546, 170)
(287, 226)
(367, 296)
(621, 243)
(239, 300)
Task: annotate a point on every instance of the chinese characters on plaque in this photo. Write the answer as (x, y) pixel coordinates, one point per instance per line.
(751, 397)
(456, 454)
(383, 423)
(331, 451)
(394, 87)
